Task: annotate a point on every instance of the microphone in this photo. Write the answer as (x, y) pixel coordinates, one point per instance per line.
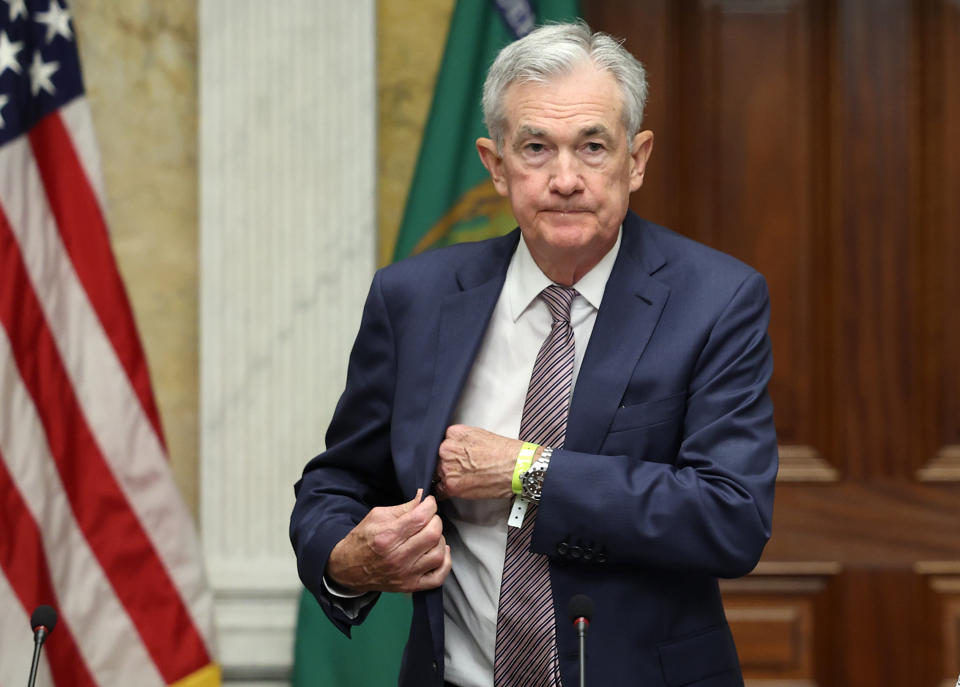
(43, 620)
(580, 609)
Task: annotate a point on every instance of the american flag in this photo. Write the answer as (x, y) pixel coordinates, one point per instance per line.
(91, 522)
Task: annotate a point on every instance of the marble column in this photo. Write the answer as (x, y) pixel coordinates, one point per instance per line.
(287, 249)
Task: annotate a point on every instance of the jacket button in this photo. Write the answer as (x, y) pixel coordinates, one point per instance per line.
(562, 548)
(576, 552)
(588, 553)
(434, 666)
(601, 557)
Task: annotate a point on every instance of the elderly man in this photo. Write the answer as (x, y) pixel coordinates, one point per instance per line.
(583, 400)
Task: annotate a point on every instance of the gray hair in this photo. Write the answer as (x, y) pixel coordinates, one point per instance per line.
(556, 49)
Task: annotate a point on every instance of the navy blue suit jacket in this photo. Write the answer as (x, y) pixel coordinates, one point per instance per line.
(666, 479)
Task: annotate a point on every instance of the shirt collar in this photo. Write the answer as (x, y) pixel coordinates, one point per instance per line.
(525, 280)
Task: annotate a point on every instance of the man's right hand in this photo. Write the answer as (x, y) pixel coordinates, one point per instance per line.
(393, 549)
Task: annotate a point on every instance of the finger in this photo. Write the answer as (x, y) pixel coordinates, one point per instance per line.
(401, 509)
(447, 450)
(411, 522)
(413, 509)
(434, 578)
(411, 504)
(431, 559)
(404, 565)
(429, 569)
(455, 432)
(416, 546)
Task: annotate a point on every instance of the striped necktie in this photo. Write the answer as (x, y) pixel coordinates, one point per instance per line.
(526, 647)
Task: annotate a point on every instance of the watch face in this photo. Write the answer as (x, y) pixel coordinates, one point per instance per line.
(533, 482)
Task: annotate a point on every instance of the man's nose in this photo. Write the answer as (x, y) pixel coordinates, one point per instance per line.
(565, 177)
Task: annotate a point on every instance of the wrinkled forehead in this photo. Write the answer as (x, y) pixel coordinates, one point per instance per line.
(585, 98)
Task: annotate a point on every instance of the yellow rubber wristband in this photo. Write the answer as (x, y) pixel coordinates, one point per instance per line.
(524, 459)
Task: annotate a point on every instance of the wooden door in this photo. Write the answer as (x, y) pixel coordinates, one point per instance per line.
(820, 142)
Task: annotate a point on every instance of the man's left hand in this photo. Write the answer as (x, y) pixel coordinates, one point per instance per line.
(476, 464)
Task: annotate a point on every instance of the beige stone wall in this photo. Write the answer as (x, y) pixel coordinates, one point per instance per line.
(410, 36)
(139, 59)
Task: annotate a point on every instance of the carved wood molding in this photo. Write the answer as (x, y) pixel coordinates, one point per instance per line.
(772, 614)
(943, 467)
(744, 586)
(784, 577)
(803, 464)
(944, 579)
(755, 6)
(945, 585)
(937, 568)
(795, 568)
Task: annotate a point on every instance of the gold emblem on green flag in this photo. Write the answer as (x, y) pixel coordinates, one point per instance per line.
(481, 213)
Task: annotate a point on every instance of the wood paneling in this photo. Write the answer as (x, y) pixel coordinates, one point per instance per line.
(947, 590)
(938, 45)
(773, 636)
(883, 524)
(869, 143)
(734, 105)
(819, 140)
(756, 82)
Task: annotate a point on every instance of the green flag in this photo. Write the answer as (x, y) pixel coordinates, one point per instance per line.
(451, 199)
(323, 657)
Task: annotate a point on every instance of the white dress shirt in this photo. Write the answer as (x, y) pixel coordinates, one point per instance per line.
(492, 399)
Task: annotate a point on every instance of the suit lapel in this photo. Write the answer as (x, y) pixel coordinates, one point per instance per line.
(632, 303)
(463, 319)
(631, 307)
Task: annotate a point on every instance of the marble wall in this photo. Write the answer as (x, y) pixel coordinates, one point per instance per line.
(139, 59)
(287, 250)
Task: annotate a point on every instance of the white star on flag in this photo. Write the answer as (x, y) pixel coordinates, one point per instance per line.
(57, 20)
(40, 73)
(17, 7)
(8, 54)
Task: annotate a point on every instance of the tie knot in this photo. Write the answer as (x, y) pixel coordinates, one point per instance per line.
(558, 299)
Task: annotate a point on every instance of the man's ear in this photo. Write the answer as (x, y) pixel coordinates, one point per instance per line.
(494, 164)
(642, 148)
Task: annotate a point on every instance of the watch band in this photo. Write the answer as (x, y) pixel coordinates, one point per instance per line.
(532, 479)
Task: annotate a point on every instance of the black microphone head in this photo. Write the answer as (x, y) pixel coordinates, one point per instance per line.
(580, 606)
(43, 616)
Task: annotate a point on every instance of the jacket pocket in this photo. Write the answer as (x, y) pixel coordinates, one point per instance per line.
(645, 414)
(687, 660)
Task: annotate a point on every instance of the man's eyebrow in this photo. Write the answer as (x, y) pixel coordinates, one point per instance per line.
(595, 130)
(530, 132)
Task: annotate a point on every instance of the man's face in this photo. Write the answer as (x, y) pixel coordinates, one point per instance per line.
(567, 168)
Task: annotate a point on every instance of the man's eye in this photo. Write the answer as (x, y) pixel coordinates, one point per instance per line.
(535, 147)
(594, 147)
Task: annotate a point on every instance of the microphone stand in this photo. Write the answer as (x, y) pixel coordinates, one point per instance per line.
(580, 609)
(43, 620)
(38, 638)
(582, 634)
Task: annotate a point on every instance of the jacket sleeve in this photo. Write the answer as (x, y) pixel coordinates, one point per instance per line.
(709, 510)
(340, 486)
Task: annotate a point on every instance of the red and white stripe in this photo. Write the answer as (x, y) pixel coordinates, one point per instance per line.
(91, 521)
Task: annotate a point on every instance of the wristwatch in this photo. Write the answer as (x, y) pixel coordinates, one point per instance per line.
(532, 479)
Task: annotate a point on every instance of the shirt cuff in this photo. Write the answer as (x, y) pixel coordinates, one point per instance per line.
(349, 602)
